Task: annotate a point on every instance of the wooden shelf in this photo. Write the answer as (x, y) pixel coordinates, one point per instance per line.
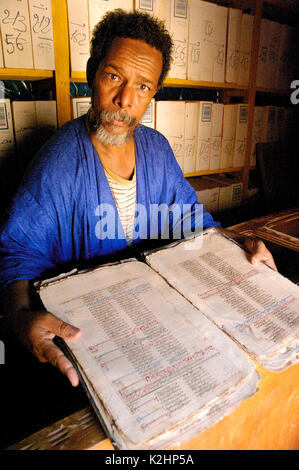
(78, 77)
(213, 172)
(175, 82)
(272, 91)
(25, 74)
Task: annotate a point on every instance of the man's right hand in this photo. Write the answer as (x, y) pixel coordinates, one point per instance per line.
(37, 328)
(38, 331)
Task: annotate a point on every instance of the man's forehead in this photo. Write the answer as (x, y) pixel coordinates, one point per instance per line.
(138, 47)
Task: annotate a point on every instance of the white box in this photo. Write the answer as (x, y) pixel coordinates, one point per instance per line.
(245, 49)
(147, 6)
(46, 115)
(273, 52)
(204, 135)
(194, 46)
(225, 196)
(7, 145)
(240, 136)
(148, 118)
(228, 135)
(233, 44)
(159, 8)
(269, 126)
(177, 134)
(203, 197)
(236, 193)
(282, 78)
(230, 190)
(213, 203)
(201, 40)
(24, 119)
(225, 191)
(207, 193)
(98, 8)
(217, 121)
(80, 106)
(257, 132)
(1, 52)
(163, 115)
(42, 34)
(16, 36)
(221, 15)
(170, 121)
(191, 123)
(263, 57)
(179, 32)
(78, 34)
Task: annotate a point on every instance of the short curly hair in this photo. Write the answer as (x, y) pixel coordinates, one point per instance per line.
(134, 25)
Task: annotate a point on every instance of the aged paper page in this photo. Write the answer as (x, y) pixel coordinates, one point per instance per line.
(253, 304)
(152, 362)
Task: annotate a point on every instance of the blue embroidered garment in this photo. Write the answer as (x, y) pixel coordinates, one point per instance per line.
(56, 220)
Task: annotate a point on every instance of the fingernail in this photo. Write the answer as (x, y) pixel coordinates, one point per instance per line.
(73, 377)
(73, 331)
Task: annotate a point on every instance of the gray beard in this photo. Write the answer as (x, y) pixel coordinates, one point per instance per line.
(105, 137)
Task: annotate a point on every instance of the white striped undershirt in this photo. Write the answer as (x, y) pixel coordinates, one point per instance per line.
(124, 193)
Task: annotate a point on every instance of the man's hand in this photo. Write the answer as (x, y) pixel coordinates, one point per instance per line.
(256, 249)
(37, 328)
(258, 252)
(38, 332)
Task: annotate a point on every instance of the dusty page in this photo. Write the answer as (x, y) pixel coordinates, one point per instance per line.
(152, 362)
(253, 304)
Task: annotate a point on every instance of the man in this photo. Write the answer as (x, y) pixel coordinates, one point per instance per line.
(103, 160)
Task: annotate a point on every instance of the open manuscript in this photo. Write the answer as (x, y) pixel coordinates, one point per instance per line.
(154, 356)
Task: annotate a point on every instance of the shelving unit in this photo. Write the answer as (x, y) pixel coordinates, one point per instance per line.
(231, 89)
(62, 75)
(213, 172)
(25, 74)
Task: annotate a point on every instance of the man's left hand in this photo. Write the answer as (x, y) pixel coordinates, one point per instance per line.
(256, 249)
(258, 252)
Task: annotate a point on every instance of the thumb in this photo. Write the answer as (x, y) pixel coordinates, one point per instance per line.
(59, 327)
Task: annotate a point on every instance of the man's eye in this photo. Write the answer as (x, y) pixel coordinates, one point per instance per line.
(113, 77)
(144, 87)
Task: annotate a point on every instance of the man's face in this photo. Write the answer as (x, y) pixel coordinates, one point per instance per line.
(125, 83)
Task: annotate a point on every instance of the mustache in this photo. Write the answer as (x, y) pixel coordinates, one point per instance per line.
(119, 115)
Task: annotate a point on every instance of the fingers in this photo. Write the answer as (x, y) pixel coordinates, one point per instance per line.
(43, 328)
(58, 327)
(50, 352)
(259, 253)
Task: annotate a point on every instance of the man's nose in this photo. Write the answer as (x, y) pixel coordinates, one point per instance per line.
(125, 96)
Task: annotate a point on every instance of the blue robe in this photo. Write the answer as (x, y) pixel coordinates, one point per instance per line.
(54, 222)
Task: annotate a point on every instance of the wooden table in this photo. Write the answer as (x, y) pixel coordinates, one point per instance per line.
(269, 420)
